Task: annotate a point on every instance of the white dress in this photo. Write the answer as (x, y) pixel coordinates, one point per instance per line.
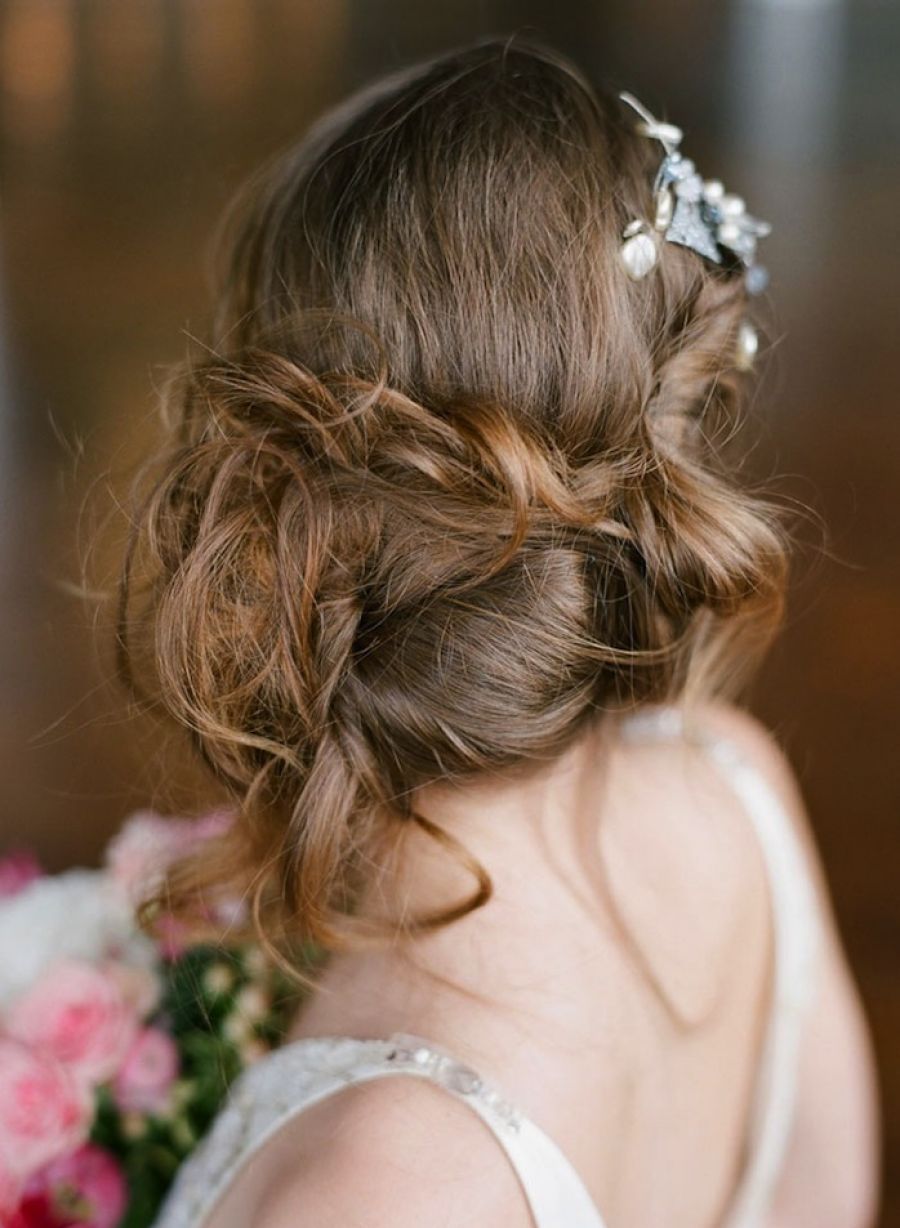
(301, 1073)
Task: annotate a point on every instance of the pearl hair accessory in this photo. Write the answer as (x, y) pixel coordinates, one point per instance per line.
(694, 212)
(747, 346)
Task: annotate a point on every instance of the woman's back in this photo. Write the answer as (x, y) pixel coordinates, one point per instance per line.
(621, 1075)
(635, 1039)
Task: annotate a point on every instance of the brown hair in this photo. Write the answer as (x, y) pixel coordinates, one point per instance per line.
(445, 484)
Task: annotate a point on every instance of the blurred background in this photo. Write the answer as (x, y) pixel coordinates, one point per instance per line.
(125, 127)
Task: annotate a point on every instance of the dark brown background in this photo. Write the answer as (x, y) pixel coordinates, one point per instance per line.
(126, 124)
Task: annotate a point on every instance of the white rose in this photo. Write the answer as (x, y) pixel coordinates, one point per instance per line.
(253, 1002)
(80, 914)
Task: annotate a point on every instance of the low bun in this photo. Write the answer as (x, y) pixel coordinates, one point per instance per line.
(440, 490)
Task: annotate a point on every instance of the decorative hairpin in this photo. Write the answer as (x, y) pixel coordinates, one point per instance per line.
(694, 212)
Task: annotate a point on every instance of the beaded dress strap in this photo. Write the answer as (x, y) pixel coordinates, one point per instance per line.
(276, 1090)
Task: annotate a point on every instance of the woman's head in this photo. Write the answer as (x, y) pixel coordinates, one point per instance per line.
(445, 485)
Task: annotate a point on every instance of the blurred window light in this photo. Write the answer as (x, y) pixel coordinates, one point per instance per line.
(792, 4)
(787, 71)
(37, 65)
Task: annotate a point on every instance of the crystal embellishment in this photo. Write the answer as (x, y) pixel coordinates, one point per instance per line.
(456, 1076)
(707, 219)
(271, 1092)
(463, 1079)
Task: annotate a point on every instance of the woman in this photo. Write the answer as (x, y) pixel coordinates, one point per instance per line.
(449, 583)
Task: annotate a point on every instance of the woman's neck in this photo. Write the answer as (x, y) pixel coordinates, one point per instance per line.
(523, 953)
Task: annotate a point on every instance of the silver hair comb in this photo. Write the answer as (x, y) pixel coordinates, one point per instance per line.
(694, 212)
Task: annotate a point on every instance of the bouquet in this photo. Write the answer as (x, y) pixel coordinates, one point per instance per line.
(116, 1050)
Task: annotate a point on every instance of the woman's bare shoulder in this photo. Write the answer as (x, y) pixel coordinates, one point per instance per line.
(687, 775)
(393, 1153)
(753, 738)
(831, 1174)
(764, 752)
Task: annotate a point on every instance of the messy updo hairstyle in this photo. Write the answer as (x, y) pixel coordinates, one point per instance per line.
(443, 484)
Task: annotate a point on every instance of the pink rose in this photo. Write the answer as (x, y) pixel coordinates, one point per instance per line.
(17, 870)
(78, 1014)
(10, 1190)
(150, 1068)
(140, 987)
(148, 843)
(172, 935)
(44, 1111)
(85, 1188)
